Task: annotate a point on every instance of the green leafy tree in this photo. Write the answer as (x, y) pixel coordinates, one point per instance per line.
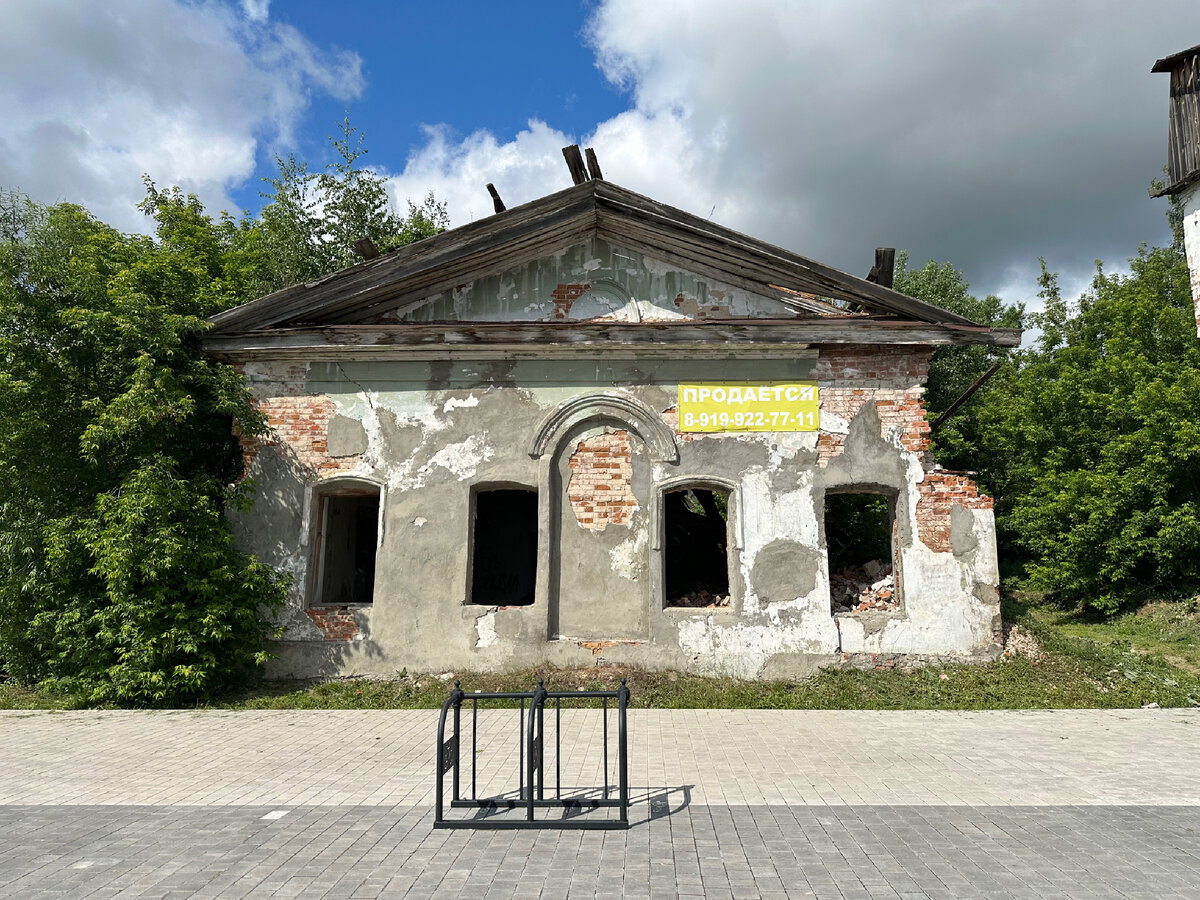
(312, 221)
(1093, 439)
(119, 579)
(955, 368)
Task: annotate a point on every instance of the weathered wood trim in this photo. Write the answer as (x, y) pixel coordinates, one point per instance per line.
(1167, 63)
(370, 281)
(826, 279)
(575, 163)
(355, 311)
(511, 353)
(731, 336)
(409, 275)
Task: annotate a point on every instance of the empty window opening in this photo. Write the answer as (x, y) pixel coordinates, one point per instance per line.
(504, 550)
(860, 539)
(696, 547)
(348, 537)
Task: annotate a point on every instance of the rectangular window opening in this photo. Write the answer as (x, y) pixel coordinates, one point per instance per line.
(348, 537)
(860, 540)
(696, 548)
(504, 548)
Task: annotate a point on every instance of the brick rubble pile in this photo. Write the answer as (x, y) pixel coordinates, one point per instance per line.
(871, 586)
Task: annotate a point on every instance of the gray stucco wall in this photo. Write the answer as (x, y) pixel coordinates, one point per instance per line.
(428, 433)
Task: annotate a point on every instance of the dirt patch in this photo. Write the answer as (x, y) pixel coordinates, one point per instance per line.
(1020, 641)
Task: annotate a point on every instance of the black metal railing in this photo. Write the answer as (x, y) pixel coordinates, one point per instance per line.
(529, 794)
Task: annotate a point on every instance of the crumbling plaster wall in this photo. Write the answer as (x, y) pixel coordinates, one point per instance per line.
(1190, 198)
(591, 281)
(429, 433)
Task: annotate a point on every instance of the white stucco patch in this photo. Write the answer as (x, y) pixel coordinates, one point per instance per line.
(456, 403)
(1191, 243)
(742, 649)
(769, 514)
(462, 459)
(413, 408)
(627, 556)
(485, 630)
(833, 423)
(786, 445)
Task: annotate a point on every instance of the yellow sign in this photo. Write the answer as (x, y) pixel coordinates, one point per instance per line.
(767, 406)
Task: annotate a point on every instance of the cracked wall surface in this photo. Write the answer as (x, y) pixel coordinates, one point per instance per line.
(429, 432)
(591, 281)
(597, 437)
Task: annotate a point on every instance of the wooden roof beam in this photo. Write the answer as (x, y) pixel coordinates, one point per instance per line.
(884, 270)
(575, 163)
(593, 165)
(496, 201)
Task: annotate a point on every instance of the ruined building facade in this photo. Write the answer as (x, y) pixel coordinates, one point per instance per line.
(596, 429)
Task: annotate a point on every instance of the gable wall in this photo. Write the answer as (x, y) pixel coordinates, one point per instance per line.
(591, 281)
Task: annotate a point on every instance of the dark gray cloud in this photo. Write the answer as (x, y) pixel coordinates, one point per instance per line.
(985, 134)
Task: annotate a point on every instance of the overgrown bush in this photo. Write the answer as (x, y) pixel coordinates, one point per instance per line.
(1094, 438)
(119, 578)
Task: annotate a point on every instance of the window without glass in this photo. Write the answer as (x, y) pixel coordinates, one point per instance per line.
(504, 548)
(696, 547)
(348, 535)
(860, 537)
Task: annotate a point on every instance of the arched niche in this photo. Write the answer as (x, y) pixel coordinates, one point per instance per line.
(648, 425)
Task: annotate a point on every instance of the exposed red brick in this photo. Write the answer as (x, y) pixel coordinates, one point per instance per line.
(894, 377)
(565, 296)
(671, 417)
(600, 491)
(336, 622)
(939, 493)
(298, 423)
(597, 646)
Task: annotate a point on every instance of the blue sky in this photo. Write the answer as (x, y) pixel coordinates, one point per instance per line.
(986, 134)
(465, 66)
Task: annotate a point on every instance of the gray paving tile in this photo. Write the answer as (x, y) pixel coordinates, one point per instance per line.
(171, 804)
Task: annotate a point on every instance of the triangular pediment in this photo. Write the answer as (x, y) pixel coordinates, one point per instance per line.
(592, 253)
(595, 280)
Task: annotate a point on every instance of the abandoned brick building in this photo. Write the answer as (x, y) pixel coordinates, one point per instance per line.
(596, 429)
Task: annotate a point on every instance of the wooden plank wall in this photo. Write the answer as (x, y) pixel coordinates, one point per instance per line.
(1184, 151)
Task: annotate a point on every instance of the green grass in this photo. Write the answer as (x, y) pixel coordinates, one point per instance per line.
(1075, 673)
(1148, 656)
(16, 696)
(1166, 629)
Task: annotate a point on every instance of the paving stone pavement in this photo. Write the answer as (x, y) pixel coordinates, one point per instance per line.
(728, 803)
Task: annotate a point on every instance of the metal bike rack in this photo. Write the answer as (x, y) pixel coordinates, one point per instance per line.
(530, 794)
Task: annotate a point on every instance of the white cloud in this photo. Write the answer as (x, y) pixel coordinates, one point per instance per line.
(96, 94)
(527, 167)
(256, 10)
(986, 134)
